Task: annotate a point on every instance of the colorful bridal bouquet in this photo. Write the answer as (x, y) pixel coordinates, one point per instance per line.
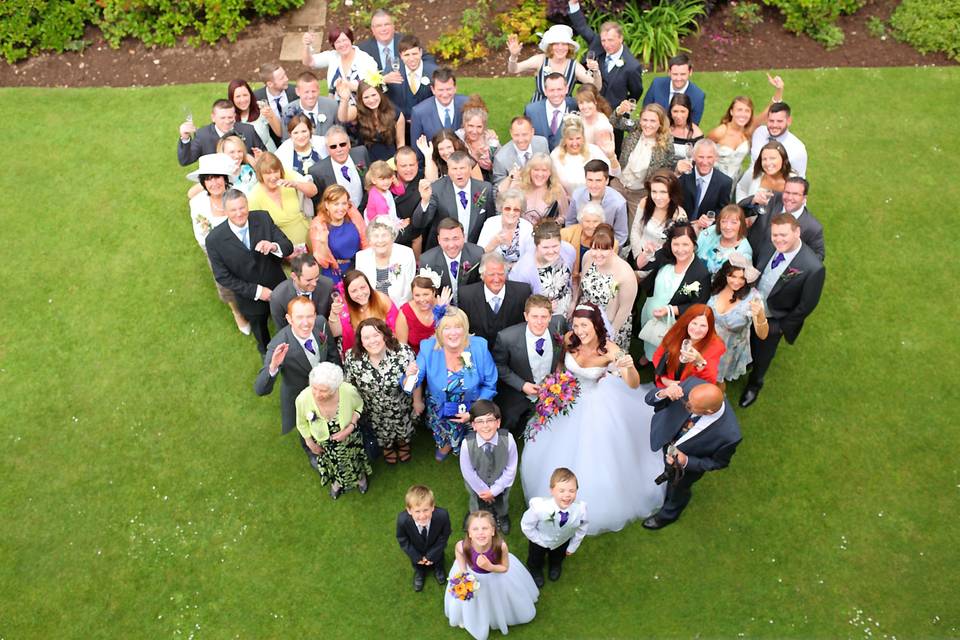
(463, 586)
(557, 393)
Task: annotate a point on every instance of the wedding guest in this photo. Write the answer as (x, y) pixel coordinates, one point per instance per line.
(658, 211)
(302, 149)
(572, 153)
(494, 304)
(737, 306)
(547, 115)
(414, 85)
(382, 186)
(559, 56)
(300, 345)
(777, 128)
(545, 197)
(457, 370)
(200, 142)
(791, 282)
(770, 172)
(422, 532)
(554, 526)
(456, 196)
(374, 365)
(327, 415)
(344, 62)
(360, 301)
(442, 111)
(456, 261)
(680, 279)
(438, 150)
(663, 90)
(380, 125)
(705, 189)
(305, 281)
(525, 354)
(595, 112)
(685, 131)
(728, 235)
(407, 203)
(608, 282)
(277, 92)
(549, 268)
(320, 110)
(580, 235)
(481, 142)
(345, 166)
(207, 212)
(337, 233)
(266, 123)
(507, 234)
(690, 348)
(793, 200)
(279, 193)
(647, 147)
(596, 189)
(244, 177)
(513, 156)
(489, 464)
(390, 266)
(426, 306)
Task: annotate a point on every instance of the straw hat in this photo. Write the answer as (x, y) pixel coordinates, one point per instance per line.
(558, 34)
(213, 164)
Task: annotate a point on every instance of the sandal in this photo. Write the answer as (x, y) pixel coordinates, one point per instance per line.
(440, 456)
(335, 490)
(390, 456)
(404, 452)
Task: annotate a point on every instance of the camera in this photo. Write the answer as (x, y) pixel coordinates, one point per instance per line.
(671, 472)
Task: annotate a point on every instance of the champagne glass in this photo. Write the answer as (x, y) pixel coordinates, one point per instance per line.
(591, 56)
(685, 347)
(395, 64)
(711, 215)
(187, 113)
(629, 121)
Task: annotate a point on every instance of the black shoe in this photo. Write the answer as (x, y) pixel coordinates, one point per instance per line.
(555, 572)
(441, 575)
(537, 578)
(653, 523)
(749, 396)
(504, 525)
(417, 581)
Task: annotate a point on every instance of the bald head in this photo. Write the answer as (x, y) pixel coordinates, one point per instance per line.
(705, 399)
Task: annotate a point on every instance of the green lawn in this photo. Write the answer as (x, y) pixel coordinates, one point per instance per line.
(146, 492)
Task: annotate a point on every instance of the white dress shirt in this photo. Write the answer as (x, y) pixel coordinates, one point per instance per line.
(702, 423)
(442, 112)
(541, 524)
(539, 364)
(353, 185)
(454, 284)
(490, 295)
(463, 213)
(703, 189)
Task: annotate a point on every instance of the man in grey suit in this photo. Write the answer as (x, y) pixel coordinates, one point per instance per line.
(321, 110)
(515, 154)
(525, 354)
(456, 196)
(296, 349)
(793, 200)
(305, 281)
(224, 122)
(345, 166)
(457, 261)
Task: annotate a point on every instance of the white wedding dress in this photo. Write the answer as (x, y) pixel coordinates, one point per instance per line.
(605, 441)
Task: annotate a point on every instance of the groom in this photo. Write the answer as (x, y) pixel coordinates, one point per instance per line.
(525, 354)
(696, 429)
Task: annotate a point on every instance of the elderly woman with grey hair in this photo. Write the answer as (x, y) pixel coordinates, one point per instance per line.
(390, 267)
(580, 235)
(508, 234)
(327, 414)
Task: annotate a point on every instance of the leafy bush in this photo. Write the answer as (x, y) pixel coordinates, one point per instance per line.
(473, 41)
(528, 21)
(742, 17)
(31, 26)
(929, 26)
(816, 18)
(653, 34)
(459, 46)
(876, 27)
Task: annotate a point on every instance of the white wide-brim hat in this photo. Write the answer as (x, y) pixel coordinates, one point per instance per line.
(558, 34)
(213, 164)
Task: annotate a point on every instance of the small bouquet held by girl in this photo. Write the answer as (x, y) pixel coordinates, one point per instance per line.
(556, 396)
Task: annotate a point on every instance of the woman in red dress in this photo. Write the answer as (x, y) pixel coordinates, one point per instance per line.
(426, 306)
(691, 348)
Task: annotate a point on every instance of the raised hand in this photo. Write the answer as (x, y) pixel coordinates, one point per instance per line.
(425, 190)
(187, 129)
(513, 45)
(424, 145)
(776, 81)
(308, 39)
(278, 356)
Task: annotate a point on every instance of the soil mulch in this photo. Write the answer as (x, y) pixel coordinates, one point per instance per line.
(768, 46)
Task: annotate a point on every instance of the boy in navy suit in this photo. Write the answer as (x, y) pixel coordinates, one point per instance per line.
(422, 531)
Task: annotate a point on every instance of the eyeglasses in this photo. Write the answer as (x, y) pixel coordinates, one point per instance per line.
(337, 146)
(489, 420)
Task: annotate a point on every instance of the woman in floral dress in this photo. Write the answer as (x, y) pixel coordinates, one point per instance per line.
(608, 282)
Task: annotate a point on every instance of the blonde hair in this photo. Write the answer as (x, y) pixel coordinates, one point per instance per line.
(562, 474)
(554, 188)
(377, 170)
(225, 140)
(453, 317)
(663, 132)
(417, 495)
(268, 163)
(572, 125)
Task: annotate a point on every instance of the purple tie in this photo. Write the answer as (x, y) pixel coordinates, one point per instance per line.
(564, 516)
(555, 121)
(308, 345)
(463, 199)
(454, 267)
(539, 346)
(345, 170)
(777, 259)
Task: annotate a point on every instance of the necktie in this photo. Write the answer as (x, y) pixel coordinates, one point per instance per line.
(306, 294)
(555, 121)
(312, 119)
(777, 259)
(447, 122)
(279, 108)
(245, 237)
(699, 190)
(387, 60)
(308, 345)
(488, 448)
(526, 157)
(423, 533)
(345, 170)
(564, 516)
(495, 303)
(689, 425)
(610, 63)
(454, 267)
(539, 345)
(463, 198)
(414, 82)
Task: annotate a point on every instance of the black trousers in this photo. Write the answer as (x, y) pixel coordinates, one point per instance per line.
(537, 554)
(260, 330)
(424, 569)
(678, 496)
(763, 352)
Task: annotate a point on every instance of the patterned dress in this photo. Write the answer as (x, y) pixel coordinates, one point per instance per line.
(733, 327)
(600, 289)
(342, 462)
(556, 280)
(446, 432)
(384, 401)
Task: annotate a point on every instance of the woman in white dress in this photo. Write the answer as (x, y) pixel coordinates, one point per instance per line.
(605, 438)
(390, 267)
(302, 149)
(508, 234)
(264, 121)
(573, 152)
(595, 112)
(343, 62)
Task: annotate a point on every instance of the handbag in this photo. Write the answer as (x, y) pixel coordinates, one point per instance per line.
(655, 328)
(370, 444)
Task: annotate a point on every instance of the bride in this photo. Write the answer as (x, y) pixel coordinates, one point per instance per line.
(605, 439)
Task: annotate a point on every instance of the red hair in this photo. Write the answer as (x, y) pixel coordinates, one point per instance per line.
(678, 333)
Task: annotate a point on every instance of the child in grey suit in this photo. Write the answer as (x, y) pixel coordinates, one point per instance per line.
(488, 462)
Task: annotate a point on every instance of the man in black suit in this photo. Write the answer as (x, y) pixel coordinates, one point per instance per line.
(793, 200)
(456, 196)
(246, 255)
(224, 122)
(277, 91)
(422, 531)
(305, 281)
(698, 431)
(791, 281)
(412, 85)
(703, 188)
(547, 115)
(525, 354)
(321, 110)
(345, 166)
(453, 255)
(493, 304)
(408, 203)
(297, 348)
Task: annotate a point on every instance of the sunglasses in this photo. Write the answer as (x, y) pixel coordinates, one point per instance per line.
(337, 146)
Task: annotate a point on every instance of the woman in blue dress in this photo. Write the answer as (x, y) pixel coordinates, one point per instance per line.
(337, 233)
(736, 304)
(727, 235)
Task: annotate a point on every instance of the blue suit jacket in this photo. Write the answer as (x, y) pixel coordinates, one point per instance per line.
(659, 92)
(426, 121)
(479, 380)
(537, 113)
(404, 99)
